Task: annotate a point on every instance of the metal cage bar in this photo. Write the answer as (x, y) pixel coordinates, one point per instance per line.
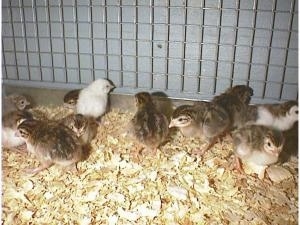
(51, 44)
(26, 46)
(220, 3)
(64, 37)
(14, 41)
(92, 42)
(136, 44)
(270, 45)
(106, 38)
(165, 48)
(184, 46)
(168, 44)
(121, 42)
(287, 44)
(4, 63)
(252, 39)
(235, 42)
(201, 46)
(38, 42)
(152, 44)
(75, 8)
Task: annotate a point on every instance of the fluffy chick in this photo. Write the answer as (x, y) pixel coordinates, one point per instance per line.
(235, 101)
(71, 98)
(9, 128)
(92, 100)
(149, 126)
(14, 102)
(85, 128)
(258, 145)
(203, 119)
(278, 116)
(51, 143)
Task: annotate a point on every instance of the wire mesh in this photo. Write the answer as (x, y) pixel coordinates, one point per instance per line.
(186, 48)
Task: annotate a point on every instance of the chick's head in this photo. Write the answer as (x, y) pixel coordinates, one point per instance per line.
(273, 142)
(143, 99)
(182, 116)
(101, 86)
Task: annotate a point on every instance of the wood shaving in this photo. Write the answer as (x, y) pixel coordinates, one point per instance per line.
(172, 187)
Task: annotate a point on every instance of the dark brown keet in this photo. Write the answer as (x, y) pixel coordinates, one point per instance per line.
(70, 98)
(14, 102)
(203, 120)
(84, 127)
(235, 101)
(149, 126)
(51, 143)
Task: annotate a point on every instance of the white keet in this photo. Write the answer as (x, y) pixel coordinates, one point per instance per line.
(266, 118)
(92, 100)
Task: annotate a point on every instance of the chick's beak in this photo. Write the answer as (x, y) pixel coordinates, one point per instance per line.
(171, 124)
(17, 134)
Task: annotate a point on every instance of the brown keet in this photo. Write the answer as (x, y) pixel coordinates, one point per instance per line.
(257, 144)
(203, 120)
(149, 126)
(14, 102)
(70, 98)
(51, 143)
(235, 101)
(85, 128)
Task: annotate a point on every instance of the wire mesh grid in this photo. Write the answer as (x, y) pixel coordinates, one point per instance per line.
(191, 49)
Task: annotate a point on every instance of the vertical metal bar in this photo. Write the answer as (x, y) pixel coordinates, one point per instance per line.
(184, 46)
(270, 47)
(252, 39)
(235, 40)
(220, 6)
(4, 61)
(152, 41)
(106, 41)
(64, 37)
(21, 4)
(292, 9)
(14, 41)
(121, 43)
(92, 38)
(38, 41)
(51, 48)
(201, 46)
(77, 39)
(136, 45)
(168, 45)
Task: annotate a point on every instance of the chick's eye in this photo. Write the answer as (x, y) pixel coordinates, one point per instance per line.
(296, 111)
(269, 144)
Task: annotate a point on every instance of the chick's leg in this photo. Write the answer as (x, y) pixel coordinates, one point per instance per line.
(42, 167)
(71, 168)
(136, 153)
(21, 149)
(238, 165)
(207, 146)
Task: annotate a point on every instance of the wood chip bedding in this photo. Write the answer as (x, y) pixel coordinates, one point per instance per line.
(171, 188)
